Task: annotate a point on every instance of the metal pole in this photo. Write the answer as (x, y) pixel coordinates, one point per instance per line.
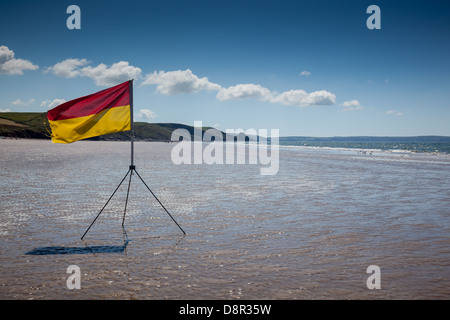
(132, 121)
(126, 201)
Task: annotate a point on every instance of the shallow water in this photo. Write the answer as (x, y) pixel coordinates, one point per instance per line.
(308, 232)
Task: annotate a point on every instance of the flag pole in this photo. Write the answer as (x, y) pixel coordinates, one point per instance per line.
(133, 167)
(132, 124)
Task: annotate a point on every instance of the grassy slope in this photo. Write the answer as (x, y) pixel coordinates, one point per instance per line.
(32, 125)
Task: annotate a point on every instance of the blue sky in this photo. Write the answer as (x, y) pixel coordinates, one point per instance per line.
(308, 68)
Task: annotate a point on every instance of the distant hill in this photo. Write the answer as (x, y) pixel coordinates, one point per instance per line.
(34, 125)
(367, 139)
(28, 125)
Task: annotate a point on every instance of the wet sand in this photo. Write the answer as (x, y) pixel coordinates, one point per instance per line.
(308, 232)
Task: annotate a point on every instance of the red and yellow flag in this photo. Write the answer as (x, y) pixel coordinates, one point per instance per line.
(100, 113)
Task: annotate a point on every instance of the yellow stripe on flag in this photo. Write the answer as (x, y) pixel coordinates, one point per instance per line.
(111, 120)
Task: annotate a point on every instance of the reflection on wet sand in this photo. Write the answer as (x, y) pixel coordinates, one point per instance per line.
(308, 232)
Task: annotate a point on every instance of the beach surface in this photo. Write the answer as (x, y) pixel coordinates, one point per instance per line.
(310, 231)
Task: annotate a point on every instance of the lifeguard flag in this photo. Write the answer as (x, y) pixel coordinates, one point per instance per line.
(100, 113)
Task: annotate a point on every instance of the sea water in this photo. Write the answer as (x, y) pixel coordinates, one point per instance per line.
(308, 232)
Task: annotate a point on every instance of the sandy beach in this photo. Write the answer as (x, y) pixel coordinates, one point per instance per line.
(308, 232)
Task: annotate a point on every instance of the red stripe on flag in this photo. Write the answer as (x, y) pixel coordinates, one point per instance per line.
(92, 104)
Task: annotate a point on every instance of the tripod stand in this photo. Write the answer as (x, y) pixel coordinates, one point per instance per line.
(130, 172)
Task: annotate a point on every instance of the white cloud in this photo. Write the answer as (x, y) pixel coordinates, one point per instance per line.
(185, 81)
(301, 98)
(244, 91)
(288, 98)
(102, 74)
(5, 110)
(351, 105)
(108, 76)
(11, 65)
(305, 73)
(146, 114)
(178, 82)
(69, 68)
(394, 112)
(5, 54)
(19, 102)
(50, 104)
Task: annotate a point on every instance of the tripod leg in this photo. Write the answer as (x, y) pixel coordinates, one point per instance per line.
(159, 202)
(126, 201)
(106, 204)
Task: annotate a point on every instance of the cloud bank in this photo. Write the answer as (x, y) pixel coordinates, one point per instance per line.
(19, 102)
(244, 91)
(102, 74)
(10, 65)
(178, 82)
(146, 114)
(50, 104)
(301, 98)
(351, 105)
(185, 81)
(394, 112)
(305, 73)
